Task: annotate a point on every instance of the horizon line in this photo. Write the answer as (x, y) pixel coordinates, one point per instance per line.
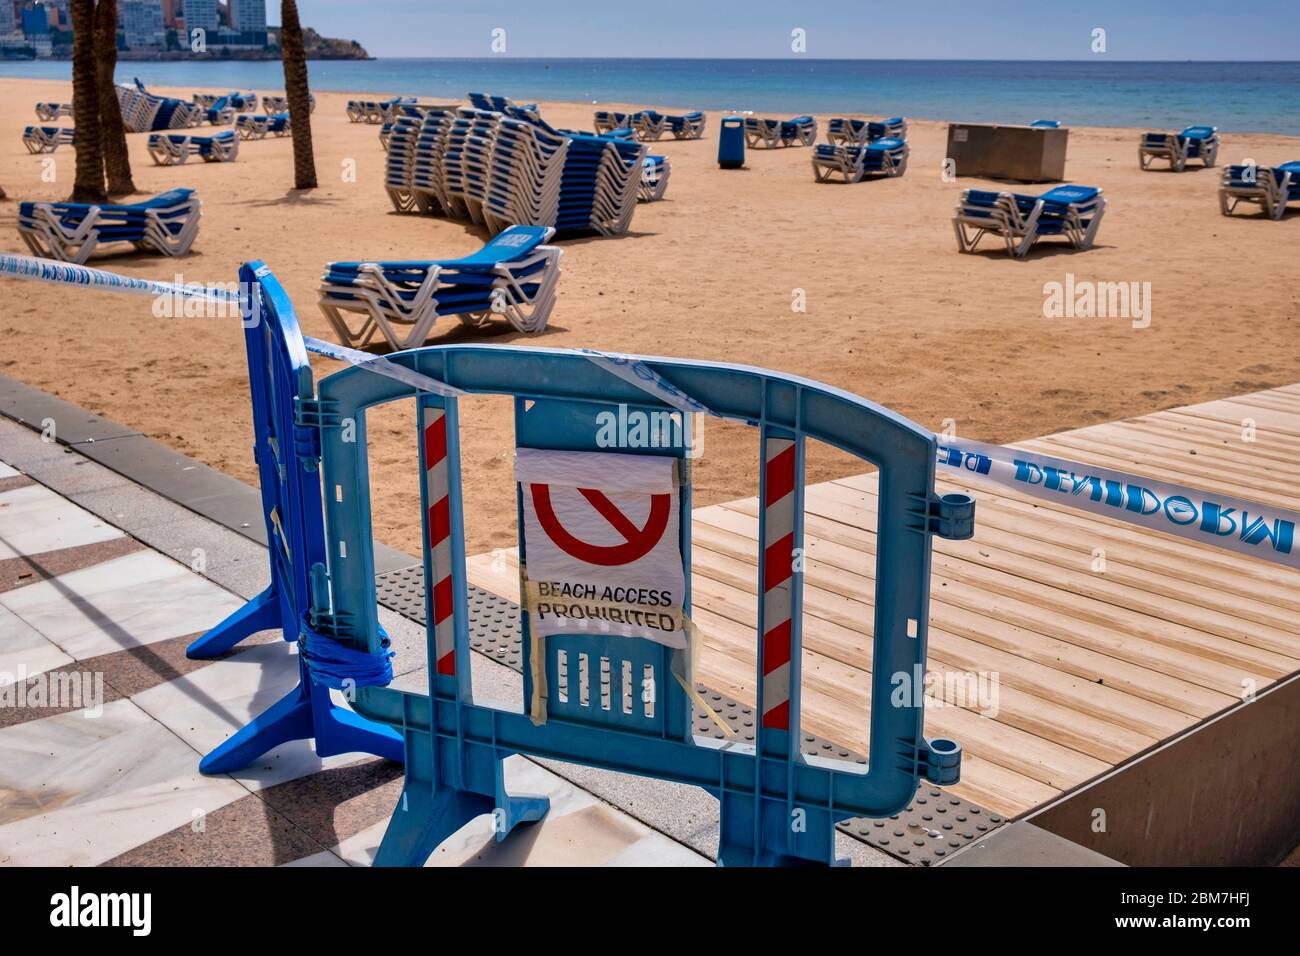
(831, 59)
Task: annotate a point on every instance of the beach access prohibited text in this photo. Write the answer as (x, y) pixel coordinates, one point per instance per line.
(602, 538)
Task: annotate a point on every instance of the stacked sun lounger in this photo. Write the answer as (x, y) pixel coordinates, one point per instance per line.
(220, 112)
(426, 179)
(1045, 124)
(280, 104)
(71, 232)
(886, 156)
(502, 169)
(171, 149)
(52, 111)
(1270, 187)
(686, 125)
(764, 133)
(854, 132)
(606, 121)
(654, 178)
(143, 112)
(365, 111)
(239, 102)
(46, 139)
(399, 169)
(1073, 212)
(257, 125)
(513, 277)
(1195, 142)
(497, 104)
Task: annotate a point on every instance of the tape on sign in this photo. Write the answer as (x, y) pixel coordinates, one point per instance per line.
(1246, 527)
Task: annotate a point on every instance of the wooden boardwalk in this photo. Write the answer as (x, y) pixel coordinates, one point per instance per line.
(1092, 667)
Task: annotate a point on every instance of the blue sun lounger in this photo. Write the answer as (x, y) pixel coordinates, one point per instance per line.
(238, 101)
(853, 132)
(172, 149)
(766, 133)
(1195, 142)
(52, 111)
(142, 112)
(1045, 124)
(606, 121)
(221, 112)
(886, 156)
(167, 223)
(647, 125)
(46, 139)
(655, 171)
(257, 125)
(512, 277)
(497, 104)
(1270, 187)
(686, 125)
(1073, 212)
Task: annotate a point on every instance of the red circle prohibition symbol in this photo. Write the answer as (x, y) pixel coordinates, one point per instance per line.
(637, 542)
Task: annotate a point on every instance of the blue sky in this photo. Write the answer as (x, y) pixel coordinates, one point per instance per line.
(869, 29)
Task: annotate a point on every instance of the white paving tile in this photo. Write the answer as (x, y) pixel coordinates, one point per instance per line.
(33, 519)
(323, 858)
(206, 706)
(577, 831)
(24, 652)
(78, 792)
(131, 601)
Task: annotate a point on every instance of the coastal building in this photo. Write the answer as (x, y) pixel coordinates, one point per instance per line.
(200, 14)
(248, 16)
(142, 23)
(36, 28)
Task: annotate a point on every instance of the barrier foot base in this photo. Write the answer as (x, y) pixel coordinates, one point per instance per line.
(262, 613)
(744, 855)
(422, 820)
(343, 732)
(304, 713)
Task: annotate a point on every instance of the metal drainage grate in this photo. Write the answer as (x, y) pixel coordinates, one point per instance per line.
(931, 829)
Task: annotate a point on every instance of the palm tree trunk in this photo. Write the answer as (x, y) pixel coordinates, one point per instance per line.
(117, 162)
(294, 56)
(89, 183)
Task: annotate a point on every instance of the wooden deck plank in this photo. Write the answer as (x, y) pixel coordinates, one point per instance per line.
(1093, 668)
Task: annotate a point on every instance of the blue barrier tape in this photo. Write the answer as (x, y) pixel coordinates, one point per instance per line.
(341, 667)
(378, 363)
(50, 270)
(1223, 521)
(1245, 527)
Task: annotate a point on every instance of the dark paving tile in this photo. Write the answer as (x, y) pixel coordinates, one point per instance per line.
(29, 569)
(336, 804)
(247, 832)
(15, 481)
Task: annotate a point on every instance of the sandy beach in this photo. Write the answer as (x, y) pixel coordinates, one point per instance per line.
(893, 311)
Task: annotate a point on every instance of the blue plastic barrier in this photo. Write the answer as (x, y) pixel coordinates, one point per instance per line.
(776, 805)
(280, 383)
(731, 143)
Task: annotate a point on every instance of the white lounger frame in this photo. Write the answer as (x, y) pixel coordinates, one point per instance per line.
(49, 238)
(1268, 191)
(1021, 232)
(384, 311)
